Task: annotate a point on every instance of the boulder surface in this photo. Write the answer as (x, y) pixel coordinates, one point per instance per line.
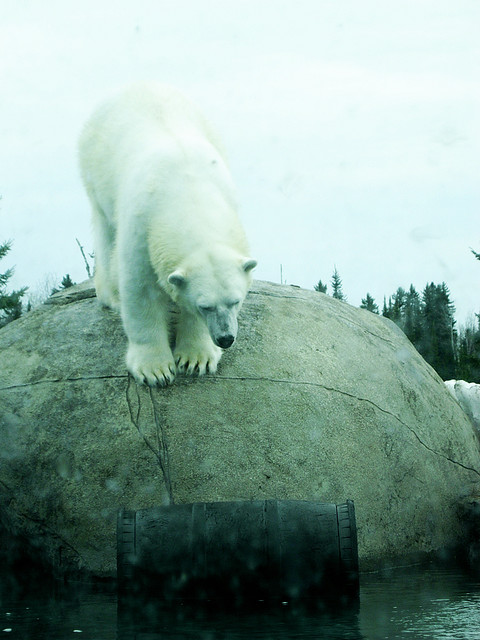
(317, 400)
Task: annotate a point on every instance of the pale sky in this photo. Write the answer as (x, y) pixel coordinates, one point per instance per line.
(352, 129)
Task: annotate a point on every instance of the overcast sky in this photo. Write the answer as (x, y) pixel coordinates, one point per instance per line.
(352, 129)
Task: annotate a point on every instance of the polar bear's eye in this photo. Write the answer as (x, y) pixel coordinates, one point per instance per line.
(206, 308)
(234, 303)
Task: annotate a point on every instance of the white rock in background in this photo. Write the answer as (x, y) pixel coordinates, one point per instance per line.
(467, 395)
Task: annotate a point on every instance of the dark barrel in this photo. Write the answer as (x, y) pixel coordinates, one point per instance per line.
(261, 549)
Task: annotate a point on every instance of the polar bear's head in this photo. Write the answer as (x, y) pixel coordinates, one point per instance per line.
(213, 285)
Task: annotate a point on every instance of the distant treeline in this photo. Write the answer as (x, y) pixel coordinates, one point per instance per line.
(427, 319)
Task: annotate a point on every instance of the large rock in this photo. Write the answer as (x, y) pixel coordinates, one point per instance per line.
(318, 400)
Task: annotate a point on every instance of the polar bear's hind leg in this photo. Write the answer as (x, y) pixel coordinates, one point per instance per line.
(106, 269)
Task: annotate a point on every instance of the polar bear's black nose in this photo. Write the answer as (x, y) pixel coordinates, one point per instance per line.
(225, 341)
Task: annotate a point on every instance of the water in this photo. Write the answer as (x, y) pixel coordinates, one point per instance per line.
(414, 603)
(435, 604)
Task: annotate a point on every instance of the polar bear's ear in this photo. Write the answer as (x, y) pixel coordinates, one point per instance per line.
(249, 264)
(177, 279)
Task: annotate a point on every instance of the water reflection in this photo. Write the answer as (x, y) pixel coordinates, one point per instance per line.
(50, 611)
(267, 623)
(437, 603)
(420, 603)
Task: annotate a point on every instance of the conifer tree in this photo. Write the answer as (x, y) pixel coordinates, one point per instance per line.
(412, 325)
(468, 357)
(428, 323)
(397, 304)
(337, 291)
(10, 303)
(65, 284)
(386, 311)
(320, 287)
(369, 304)
(437, 344)
(468, 363)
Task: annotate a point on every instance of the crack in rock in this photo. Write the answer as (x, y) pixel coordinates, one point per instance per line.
(42, 526)
(22, 385)
(360, 399)
(53, 534)
(160, 451)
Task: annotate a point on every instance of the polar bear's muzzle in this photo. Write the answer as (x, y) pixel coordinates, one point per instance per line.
(222, 326)
(225, 341)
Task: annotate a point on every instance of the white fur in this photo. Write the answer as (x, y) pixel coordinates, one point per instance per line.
(165, 228)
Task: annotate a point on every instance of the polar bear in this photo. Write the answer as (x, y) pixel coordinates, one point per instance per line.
(165, 229)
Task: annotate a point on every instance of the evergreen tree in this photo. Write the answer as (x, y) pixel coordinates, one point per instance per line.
(412, 325)
(437, 344)
(10, 303)
(428, 323)
(369, 304)
(477, 255)
(320, 287)
(397, 305)
(65, 284)
(337, 286)
(468, 358)
(386, 311)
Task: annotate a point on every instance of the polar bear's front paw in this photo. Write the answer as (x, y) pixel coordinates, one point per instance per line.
(197, 359)
(150, 365)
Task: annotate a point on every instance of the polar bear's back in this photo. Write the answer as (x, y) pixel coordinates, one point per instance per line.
(125, 130)
(147, 107)
(148, 152)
